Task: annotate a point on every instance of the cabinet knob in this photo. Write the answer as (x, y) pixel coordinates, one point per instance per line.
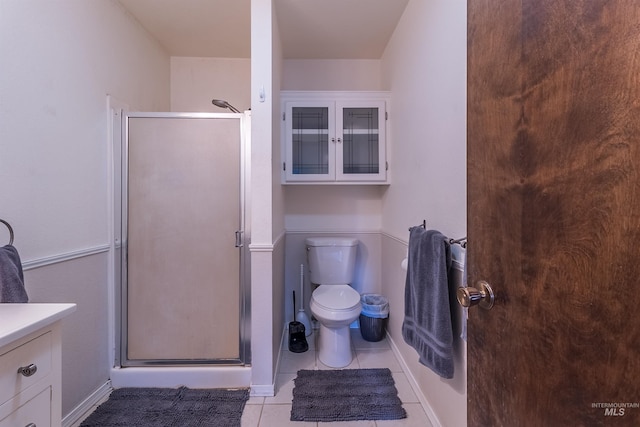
(31, 425)
(28, 370)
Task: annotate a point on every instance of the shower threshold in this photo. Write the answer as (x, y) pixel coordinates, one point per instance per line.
(212, 376)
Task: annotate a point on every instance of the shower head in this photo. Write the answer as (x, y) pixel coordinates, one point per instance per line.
(224, 104)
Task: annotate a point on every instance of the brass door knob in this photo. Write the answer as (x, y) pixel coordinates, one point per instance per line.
(481, 295)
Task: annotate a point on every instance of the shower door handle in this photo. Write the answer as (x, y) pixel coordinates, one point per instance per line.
(239, 243)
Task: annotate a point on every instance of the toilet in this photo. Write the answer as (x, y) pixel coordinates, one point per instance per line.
(334, 303)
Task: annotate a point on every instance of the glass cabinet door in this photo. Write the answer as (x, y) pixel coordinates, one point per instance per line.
(362, 151)
(310, 142)
(335, 141)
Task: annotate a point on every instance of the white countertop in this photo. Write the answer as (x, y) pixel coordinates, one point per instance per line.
(19, 320)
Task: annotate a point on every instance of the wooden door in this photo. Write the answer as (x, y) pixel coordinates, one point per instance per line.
(554, 212)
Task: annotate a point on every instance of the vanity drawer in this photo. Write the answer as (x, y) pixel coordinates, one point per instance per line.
(35, 412)
(38, 353)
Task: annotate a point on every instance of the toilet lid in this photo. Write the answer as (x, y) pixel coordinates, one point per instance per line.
(336, 297)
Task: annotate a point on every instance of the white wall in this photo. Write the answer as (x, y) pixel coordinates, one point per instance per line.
(330, 208)
(60, 59)
(278, 195)
(196, 81)
(276, 155)
(331, 74)
(265, 268)
(424, 67)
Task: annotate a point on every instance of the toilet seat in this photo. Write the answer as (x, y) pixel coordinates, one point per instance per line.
(336, 297)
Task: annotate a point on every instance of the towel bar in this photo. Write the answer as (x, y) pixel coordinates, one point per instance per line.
(423, 225)
(10, 231)
(461, 241)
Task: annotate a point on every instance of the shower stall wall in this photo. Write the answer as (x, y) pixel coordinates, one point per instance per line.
(182, 293)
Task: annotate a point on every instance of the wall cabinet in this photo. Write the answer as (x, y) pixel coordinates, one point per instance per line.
(30, 364)
(334, 137)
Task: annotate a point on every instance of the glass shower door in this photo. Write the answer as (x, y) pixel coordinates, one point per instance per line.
(182, 299)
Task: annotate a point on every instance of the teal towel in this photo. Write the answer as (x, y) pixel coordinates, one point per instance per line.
(427, 323)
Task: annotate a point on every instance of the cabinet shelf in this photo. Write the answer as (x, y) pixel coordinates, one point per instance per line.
(310, 131)
(361, 131)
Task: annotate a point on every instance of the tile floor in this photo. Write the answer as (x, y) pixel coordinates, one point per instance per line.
(276, 411)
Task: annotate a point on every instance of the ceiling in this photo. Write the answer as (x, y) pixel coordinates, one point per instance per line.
(202, 28)
(309, 29)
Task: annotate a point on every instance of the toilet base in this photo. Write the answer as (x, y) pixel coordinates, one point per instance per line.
(335, 346)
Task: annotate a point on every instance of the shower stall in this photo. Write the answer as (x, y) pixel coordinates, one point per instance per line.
(182, 293)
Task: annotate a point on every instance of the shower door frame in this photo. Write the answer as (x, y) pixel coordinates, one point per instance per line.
(121, 243)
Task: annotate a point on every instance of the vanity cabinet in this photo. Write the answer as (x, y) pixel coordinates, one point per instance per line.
(30, 364)
(334, 137)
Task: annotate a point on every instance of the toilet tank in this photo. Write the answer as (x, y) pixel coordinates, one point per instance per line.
(332, 260)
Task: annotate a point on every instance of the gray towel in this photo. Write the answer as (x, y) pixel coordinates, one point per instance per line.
(11, 277)
(427, 322)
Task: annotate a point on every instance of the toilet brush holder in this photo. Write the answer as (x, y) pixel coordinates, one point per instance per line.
(301, 316)
(297, 338)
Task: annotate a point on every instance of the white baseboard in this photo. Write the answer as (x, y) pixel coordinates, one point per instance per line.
(87, 405)
(263, 390)
(283, 338)
(435, 422)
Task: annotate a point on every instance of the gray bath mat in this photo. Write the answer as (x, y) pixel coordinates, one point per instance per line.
(170, 407)
(345, 395)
